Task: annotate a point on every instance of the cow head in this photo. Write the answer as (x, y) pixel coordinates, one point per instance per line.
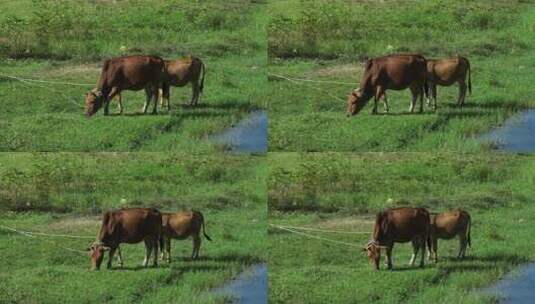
(373, 251)
(96, 253)
(93, 101)
(355, 102)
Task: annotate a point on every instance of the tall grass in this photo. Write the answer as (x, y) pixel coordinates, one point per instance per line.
(82, 183)
(61, 29)
(345, 29)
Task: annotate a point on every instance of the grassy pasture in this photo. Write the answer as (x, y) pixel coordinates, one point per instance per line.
(343, 191)
(329, 41)
(64, 193)
(66, 41)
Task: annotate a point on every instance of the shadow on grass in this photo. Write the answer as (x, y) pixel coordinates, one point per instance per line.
(221, 105)
(133, 114)
(241, 259)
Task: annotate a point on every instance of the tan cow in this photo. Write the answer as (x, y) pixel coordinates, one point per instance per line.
(398, 225)
(180, 226)
(131, 226)
(392, 72)
(446, 72)
(181, 72)
(446, 226)
(126, 73)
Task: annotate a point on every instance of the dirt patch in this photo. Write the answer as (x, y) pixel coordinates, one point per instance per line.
(79, 225)
(356, 224)
(76, 70)
(349, 72)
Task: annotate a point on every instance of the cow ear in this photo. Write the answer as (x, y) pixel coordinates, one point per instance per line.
(88, 249)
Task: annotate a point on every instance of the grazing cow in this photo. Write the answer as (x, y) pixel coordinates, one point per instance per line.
(180, 226)
(126, 73)
(446, 72)
(131, 226)
(181, 72)
(398, 225)
(393, 72)
(447, 225)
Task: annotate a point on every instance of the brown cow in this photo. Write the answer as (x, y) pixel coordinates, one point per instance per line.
(126, 73)
(398, 225)
(447, 225)
(181, 72)
(446, 72)
(394, 72)
(180, 226)
(131, 225)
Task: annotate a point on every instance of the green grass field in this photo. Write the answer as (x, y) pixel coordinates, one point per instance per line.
(343, 191)
(328, 41)
(64, 193)
(67, 41)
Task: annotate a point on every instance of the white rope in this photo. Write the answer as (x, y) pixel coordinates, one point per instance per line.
(31, 235)
(45, 81)
(324, 230)
(310, 80)
(29, 83)
(46, 234)
(317, 89)
(316, 237)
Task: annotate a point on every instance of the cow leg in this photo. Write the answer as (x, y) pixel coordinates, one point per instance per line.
(434, 243)
(462, 93)
(380, 93)
(195, 92)
(429, 90)
(422, 250)
(389, 256)
(421, 93)
(148, 96)
(415, 248)
(120, 103)
(462, 246)
(168, 249)
(114, 91)
(155, 98)
(165, 92)
(385, 103)
(155, 248)
(148, 251)
(110, 256)
(196, 247)
(434, 96)
(414, 92)
(119, 256)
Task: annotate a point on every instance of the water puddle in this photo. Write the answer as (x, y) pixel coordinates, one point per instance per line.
(516, 135)
(517, 287)
(249, 135)
(249, 287)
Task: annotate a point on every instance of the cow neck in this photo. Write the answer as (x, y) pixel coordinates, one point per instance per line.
(367, 89)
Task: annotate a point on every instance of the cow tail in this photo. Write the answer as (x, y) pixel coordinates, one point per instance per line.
(203, 67)
(469, 77)
(204, 228)
(468, 232)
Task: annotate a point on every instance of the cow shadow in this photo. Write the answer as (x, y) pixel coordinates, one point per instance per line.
(134, 114)
(404, 113)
